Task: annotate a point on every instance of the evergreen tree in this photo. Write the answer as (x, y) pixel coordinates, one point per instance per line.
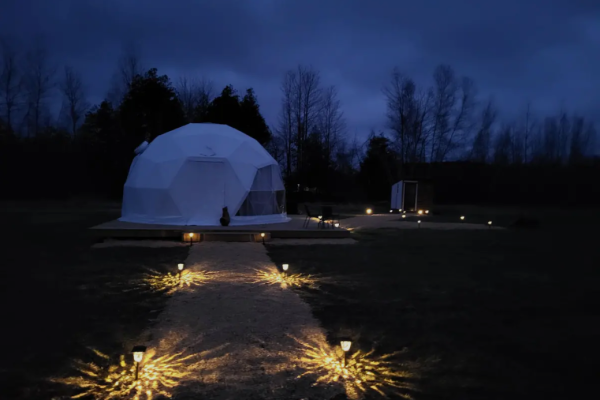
(252, 122)
(376, 169)
(150, 108)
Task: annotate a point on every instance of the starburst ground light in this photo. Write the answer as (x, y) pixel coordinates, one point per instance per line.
(363, 372)
(169, 283)
(158, 376)
(291, 280)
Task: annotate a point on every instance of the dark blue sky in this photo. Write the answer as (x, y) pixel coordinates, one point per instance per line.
(545, 51)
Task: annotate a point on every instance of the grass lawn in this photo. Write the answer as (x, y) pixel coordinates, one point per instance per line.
(59, 296)
(484, 314)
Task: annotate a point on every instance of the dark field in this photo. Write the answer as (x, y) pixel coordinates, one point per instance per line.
(59, 296)
(483, 314)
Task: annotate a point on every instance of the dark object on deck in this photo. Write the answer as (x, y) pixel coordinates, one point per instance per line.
(225, 219)
(308, 217)
(328, 215)
(525, 223)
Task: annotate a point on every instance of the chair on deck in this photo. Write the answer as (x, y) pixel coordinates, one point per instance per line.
(328, 215)
(308, 217)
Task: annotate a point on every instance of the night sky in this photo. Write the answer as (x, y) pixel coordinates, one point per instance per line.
(545, 51)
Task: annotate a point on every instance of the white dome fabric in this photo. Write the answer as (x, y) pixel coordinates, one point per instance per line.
(186, 177)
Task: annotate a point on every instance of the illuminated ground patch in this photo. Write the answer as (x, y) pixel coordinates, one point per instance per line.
(169, 283)
(158, 376)
(363, 372)
(289, 280)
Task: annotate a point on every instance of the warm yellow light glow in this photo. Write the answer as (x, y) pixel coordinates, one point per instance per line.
(191, 234)
(403, 215)
(369, 211)
(262, 235)
(462, 217)
(362, 373)
(346, 344)
(157, 377)
(489, 222)
(420, 212)
(138, 356)
(400, 210)
(426, 211)
(168, 283)
(180, 266)
(285, 267)
(286, 280)
(320, 216)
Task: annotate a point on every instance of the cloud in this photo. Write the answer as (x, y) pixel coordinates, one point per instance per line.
(544, 51)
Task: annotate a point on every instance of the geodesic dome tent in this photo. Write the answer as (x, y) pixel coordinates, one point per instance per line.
(186, 177)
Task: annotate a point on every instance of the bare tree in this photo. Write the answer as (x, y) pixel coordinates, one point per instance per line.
(503, 145)
(299, 116)
(407, 113)
(306, 101)
(443, 97)
(331, 122)
(129, 66)
(74, 103)
(285, 130)
(195, 95)
(10, 82)
(582, 137)
(39, 83)
(480, 150)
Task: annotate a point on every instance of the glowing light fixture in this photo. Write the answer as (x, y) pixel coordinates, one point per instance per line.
(403, 215)
(490, 224)
(426, 211)
(369, 211)
(191, 235)
(138, 356)
(419, 224)
(420, 212)
(180, 269)
(345, 345)
(285, 267)
(462, 217)
(391, 211)
(399, 209)
(262, 235)
(337, 224)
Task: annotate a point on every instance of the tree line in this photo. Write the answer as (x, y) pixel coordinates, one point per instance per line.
(88, 149)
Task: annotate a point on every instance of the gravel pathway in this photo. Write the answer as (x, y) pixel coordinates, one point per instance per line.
(239, 329)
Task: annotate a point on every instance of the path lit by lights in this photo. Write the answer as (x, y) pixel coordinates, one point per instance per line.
(364, 372)
(158, 376)
(290, 280)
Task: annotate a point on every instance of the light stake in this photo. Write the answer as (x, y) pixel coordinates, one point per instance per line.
(337, 224)
(191, 235)
(369, 211)
(490, 224)
(403, 215)
(180, 268)
(138, 356)
(345, 344)
(426, 211)
(284, 267)
(391, 211)
(420, 212)
(462, 218)
(419, 224)
(262, 235)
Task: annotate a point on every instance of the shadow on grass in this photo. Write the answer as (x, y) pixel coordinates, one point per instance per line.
(53, 289)
(497, 314)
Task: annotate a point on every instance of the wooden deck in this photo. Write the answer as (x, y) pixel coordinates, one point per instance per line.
(293, 229)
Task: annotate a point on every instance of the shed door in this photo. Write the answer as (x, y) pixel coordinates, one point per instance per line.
(410, 196)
